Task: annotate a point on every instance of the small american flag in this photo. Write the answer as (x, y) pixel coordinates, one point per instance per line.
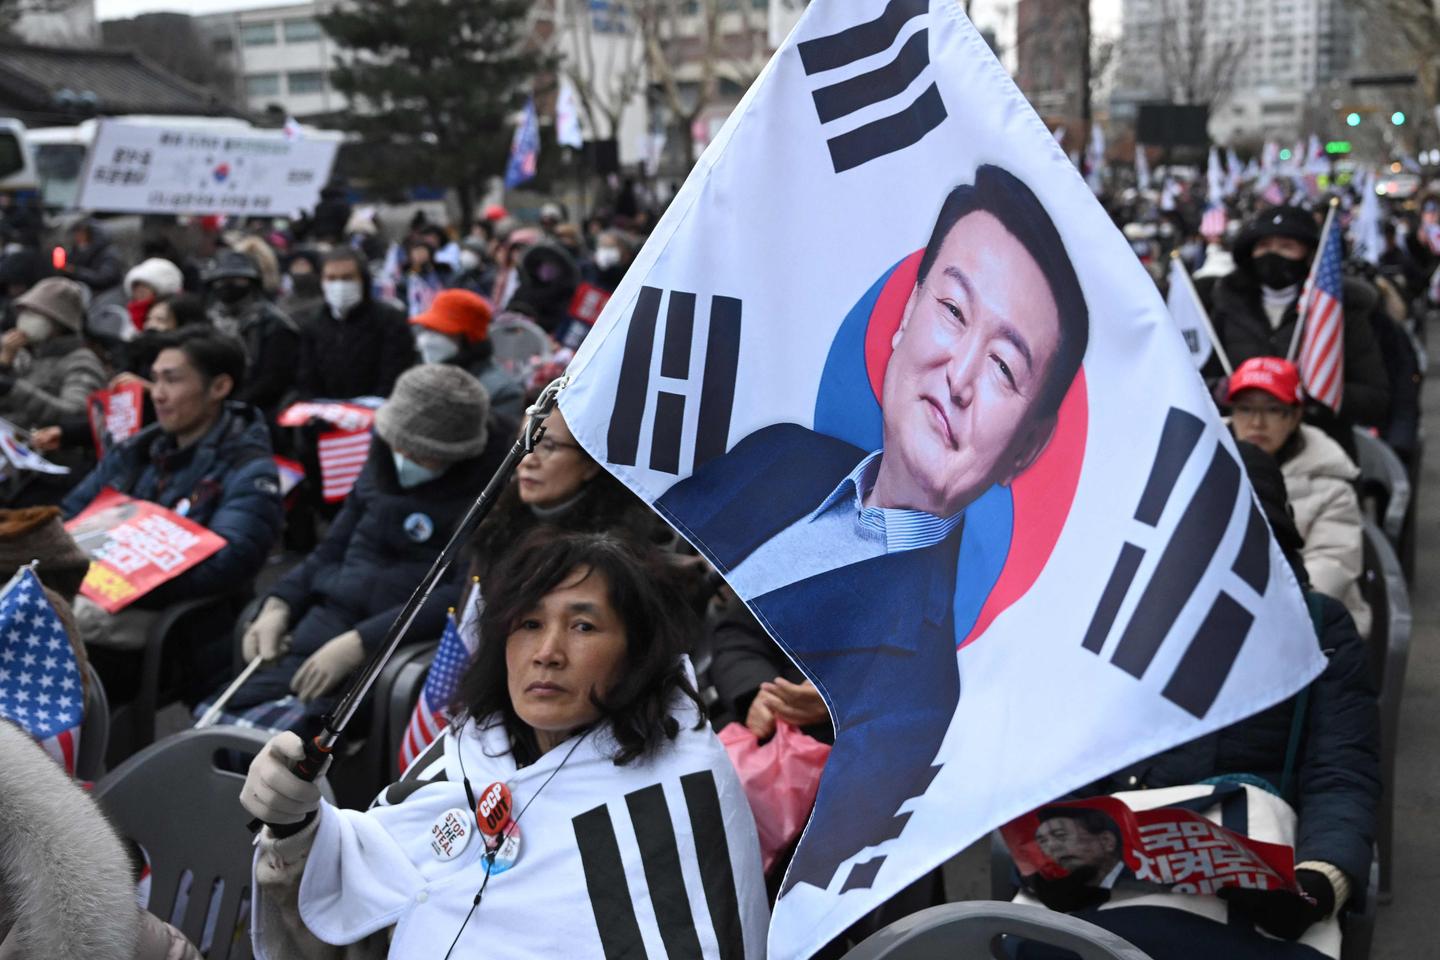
(457, 646)
(1322, 342)
(40, 685)
(342, 457)
(1212, 224)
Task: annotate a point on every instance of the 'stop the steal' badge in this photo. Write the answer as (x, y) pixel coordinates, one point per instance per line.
(450, 834)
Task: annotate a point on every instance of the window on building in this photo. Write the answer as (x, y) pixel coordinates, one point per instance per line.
(305, 81)
(302, 31)
(262, 85)
(259, 34)
(225, 44)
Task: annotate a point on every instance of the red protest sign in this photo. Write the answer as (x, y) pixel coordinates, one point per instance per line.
(1104, 842)
(342, 415)
(134, 547)
(116, 414)
(587, 303)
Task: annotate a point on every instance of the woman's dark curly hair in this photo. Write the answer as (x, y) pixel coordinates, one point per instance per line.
(657, 631)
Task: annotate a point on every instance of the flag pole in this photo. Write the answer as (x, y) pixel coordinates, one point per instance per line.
(319, 750)
(1220, 353)
(1300, 308)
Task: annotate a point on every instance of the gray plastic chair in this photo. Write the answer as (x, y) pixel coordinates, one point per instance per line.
(174, 801)
(520, 344)
(1384, 485)
(94, 730)
(1383, 585)
(974, 929)
(399, 703)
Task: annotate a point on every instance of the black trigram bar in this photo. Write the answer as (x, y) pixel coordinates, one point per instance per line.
(844, 98)
(679, 331)
(717, 388)
(665, 438)
(1182, 565)
(660, 854)
(1110, 601)
(712, 849)
(862, 40)
(1253, 562)
(605, 882)
(888, 134)
(1207, 661)
(1177, 439)
(623, 439)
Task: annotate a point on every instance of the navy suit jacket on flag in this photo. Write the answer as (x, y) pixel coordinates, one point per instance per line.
(878, 636)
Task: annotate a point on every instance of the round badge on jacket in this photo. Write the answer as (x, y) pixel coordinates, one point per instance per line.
(419, 527)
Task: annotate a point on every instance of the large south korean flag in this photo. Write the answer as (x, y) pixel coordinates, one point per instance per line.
(889, 366)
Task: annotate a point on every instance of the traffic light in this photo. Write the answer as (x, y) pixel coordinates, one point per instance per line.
(1353, 119)
(1338, 146)
(1285, 154)
(1398, 118)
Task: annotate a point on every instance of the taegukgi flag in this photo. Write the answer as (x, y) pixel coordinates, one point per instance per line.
(889, 366)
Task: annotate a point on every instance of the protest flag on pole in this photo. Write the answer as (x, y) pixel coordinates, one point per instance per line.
(524, 148)
(1191, 317)
(956, 462)
(432, 711)
(41, 689)
(1321, 331)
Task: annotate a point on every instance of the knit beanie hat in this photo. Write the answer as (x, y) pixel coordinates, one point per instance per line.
(436, 412)
(58, 299)
(158, 274)
(36, 533)
(457, 313)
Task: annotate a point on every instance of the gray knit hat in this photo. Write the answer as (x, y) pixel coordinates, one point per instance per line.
(435, 412)
(57, 298)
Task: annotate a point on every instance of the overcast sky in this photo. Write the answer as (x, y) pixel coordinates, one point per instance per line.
(993, 12)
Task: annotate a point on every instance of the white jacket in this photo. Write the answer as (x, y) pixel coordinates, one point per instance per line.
(635, 860)
(1320, 480)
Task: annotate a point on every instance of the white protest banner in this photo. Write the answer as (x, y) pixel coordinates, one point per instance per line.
(153, 168)
(889, 366)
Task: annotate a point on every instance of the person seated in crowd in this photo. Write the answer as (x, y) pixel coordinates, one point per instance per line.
(208, 459)
(423, 278)
(1267, 405)
(46, 369)
(432, 452)
(239, 308)
(263, 256)
(1254, 310)
(19, 271)
(577, 720)
(455, 331)
(614, 252)
(1331, 779)
(300, 287)
(354, 345)
(91, 259)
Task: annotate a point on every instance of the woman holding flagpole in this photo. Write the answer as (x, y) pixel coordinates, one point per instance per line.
(578, 806)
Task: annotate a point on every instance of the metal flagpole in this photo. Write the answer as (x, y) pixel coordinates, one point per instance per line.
(1307, 291)
(319, 750)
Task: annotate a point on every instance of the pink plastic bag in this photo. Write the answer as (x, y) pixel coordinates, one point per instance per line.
(780, 778)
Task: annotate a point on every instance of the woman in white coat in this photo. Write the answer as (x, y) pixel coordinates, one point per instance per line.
(578, 805)
(1267, 406)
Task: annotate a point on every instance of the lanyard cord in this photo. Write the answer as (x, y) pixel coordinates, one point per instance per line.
(490, 854)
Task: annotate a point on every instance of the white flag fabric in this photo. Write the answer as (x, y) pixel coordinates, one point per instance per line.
(1142, 168)
(1366, 231)
(1189, 314)
(889, 366)
(1095, 159)
(567, 116)
(1214, 178)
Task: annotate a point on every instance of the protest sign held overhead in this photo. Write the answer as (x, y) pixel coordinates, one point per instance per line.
(135, 546)
(940, 434)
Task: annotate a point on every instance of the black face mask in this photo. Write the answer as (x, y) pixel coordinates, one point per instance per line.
(232, 293)
(1277, 272)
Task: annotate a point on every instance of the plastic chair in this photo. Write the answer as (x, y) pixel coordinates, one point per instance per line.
(94, 730)
(174, 801)
(1384, 485)
(520, 344)
(1383, 585)
(399, 704)
(975, 929)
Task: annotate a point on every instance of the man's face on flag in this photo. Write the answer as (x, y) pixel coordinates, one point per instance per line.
(971, 357)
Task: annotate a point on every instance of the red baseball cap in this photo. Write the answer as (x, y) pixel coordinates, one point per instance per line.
(1277, 377)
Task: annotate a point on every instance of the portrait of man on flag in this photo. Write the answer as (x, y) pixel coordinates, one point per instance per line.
(990, 339)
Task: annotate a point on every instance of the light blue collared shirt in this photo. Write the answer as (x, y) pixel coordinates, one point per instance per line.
(842, 530)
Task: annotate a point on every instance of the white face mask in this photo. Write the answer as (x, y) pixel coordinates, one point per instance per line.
(411, 474)
(36, 326)
(435, 347)
(469, 260)
(341, 295)
(607, 257)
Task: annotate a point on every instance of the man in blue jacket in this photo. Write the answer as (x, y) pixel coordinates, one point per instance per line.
(207, 459)
(849, 557)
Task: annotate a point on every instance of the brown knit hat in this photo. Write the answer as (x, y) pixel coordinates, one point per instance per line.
(59, 299)
(36, 533)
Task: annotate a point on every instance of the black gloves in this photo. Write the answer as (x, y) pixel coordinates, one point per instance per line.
(1282, 913)
(1069, 893)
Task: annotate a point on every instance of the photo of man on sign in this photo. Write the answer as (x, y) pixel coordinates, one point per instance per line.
(819, 532)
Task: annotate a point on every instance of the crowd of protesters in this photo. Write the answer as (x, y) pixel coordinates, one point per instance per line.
(264, 314)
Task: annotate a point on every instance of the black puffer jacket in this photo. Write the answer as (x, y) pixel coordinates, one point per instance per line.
(360, 356)
(1337, 772)
(272, 348)
(1244, 331)
(383, 542)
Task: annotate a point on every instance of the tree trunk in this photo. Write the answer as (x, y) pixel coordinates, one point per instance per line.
(465, 195)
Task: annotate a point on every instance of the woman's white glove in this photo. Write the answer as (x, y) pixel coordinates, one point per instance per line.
(272, 792)
(268, 634)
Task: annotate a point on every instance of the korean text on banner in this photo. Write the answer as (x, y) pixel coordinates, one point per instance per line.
(220, 169)
(134, 547)
(936, 429)
(116, 414)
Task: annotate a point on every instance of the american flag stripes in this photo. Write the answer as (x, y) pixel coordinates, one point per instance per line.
(342, 457)
(1322, 315)
(1212, 224)
(40, 683)
(457, 646)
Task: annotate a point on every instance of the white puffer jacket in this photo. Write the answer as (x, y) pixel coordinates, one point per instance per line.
(1320, 480)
